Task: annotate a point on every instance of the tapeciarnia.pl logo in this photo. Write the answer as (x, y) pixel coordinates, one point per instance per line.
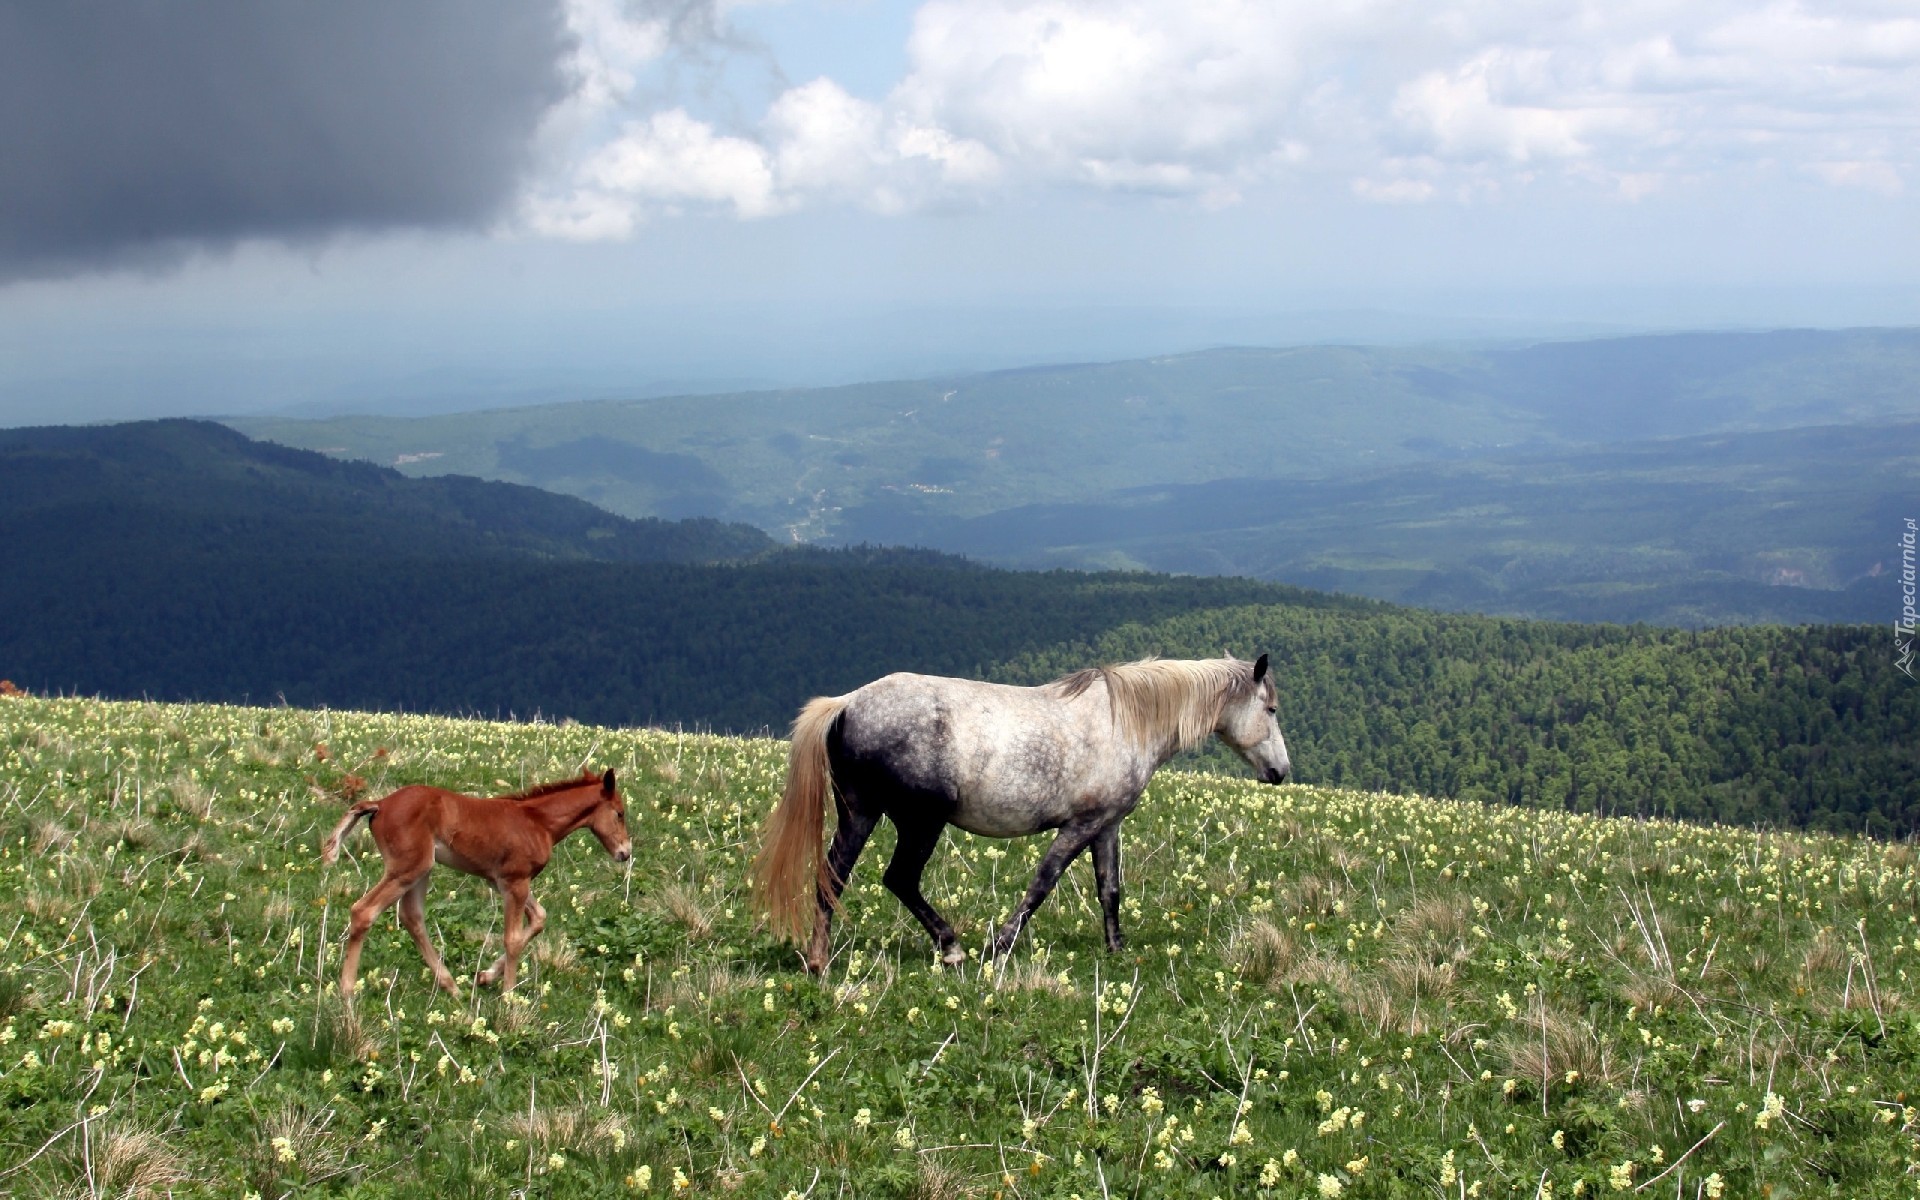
(1905, 623)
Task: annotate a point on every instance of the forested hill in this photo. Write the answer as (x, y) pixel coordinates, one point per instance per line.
(181, 484)
(1785, 725)
(1775, 725)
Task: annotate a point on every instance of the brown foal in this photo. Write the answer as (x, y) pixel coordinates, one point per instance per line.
(505, 840)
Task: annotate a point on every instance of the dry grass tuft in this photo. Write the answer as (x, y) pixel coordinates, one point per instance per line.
(938, 1182)
(135, 833)
(1826, 954)
(1649, 992)
(1264, 953)
(1432, 928)
(554, 951)
(1321, 969)
(1547, 1044)
(1313, 895)
(48, 905)
(49, 835)
(683, 905)
(190, 796)
(515, 1014)
(1033, 976)
(1420, 977)
(136, 1164)
(588, 1130)
(704, 986)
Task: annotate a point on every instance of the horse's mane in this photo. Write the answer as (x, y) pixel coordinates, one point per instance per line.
(558, 785)
(1159, 696)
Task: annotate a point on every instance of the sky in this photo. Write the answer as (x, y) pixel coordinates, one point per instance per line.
(221, 206)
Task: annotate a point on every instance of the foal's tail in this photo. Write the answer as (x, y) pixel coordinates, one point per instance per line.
(791, 869)
(330, 850)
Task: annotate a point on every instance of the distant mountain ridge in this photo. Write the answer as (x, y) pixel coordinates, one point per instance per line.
(150, 479)
(1349, 448)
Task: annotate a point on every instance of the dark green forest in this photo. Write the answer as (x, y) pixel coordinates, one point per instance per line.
(192, 581)
(1782, 726)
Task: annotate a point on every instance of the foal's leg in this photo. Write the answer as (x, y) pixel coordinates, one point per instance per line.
(849, 838)
(378, 899)
(910, 855)
(513, 894)
(413, 914)
(1106, 879)
(1067, 845)
(537, 920)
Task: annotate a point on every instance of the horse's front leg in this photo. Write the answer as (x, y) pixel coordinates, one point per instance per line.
(1106, 879)
(1067, 845)
(513, 894)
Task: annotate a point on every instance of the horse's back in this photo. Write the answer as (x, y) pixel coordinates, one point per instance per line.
(417, 806)
(1000, 760)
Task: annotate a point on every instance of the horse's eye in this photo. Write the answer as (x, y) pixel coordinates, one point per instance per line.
(1272, 711)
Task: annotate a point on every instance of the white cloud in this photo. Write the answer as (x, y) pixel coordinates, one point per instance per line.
(1213, 99)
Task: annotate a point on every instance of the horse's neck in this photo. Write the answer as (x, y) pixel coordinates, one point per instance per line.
(563, 812)
(1157, 745)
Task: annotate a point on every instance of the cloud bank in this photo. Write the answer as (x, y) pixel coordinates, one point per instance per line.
(138, 131)
(135, 131)
(1396, 101)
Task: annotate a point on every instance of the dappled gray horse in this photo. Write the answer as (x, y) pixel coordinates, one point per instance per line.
(925, 751)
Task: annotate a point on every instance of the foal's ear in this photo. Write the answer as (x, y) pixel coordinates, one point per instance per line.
(606, 782)
(1259, 669)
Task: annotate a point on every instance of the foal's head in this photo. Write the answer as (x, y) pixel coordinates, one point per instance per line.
(609, 820)
(1249, 722)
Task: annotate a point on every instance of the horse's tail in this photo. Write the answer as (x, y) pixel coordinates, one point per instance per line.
(791, 868)
(331, 849)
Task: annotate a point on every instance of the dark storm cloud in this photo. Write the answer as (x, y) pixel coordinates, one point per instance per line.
(132, 131)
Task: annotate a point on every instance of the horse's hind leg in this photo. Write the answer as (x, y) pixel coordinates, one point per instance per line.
(910, 855)
(378, 899)
(1067, 845)
(1106, 879)
(850, 836)
(413, 914)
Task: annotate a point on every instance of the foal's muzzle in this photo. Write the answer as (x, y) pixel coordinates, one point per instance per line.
(623, 854)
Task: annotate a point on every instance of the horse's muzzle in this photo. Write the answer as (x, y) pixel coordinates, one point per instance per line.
(1275, 775)
(623, 854)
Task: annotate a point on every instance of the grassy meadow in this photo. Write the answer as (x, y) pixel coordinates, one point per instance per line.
(1325, 993)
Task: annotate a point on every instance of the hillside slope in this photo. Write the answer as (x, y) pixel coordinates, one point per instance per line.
(196, 484)
(1324, 992)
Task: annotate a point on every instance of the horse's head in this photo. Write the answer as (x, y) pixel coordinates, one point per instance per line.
(1249, 723)
(609, 820)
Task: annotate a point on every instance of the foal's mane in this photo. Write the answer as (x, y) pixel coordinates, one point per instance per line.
(1159, 696)
(558, 785)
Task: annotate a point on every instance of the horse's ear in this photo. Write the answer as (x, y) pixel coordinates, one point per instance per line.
(1260, 669)
(606, 782)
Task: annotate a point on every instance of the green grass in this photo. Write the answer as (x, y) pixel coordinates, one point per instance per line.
(1325, 992)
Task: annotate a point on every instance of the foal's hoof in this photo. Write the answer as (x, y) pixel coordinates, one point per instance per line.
(486, 978)
(953, 956)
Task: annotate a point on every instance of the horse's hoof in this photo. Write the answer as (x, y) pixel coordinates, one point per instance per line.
(484, 979)
(954, 956)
